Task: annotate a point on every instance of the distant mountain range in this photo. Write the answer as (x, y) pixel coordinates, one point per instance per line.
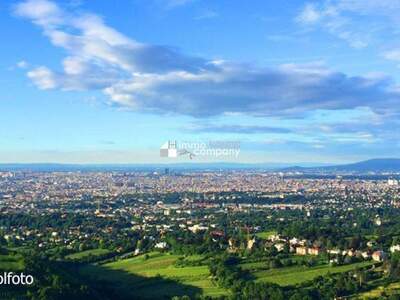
(56, 167)
(380, 165)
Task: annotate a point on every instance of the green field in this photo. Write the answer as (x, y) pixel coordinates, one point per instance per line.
(393, 288)
(155, 277)
(11, 262)
(266, 234)
(84, 254)
(298, 274)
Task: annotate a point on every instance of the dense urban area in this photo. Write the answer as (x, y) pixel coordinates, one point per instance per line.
(167, 234)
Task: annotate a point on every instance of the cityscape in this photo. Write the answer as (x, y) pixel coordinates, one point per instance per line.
(167, 226)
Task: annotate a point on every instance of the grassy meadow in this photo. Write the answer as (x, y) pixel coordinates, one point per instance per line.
(296, 274)
(11, 262)
(155, 276)
(87, 253)
(265, 234)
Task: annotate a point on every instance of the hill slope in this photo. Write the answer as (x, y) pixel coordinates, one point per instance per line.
(372, 165)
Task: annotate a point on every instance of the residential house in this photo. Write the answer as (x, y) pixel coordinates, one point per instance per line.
(379, 255)
(301, 250)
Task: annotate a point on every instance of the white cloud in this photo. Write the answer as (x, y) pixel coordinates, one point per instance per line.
(42, 12)
(22, 64)
(392, 55)
(350, 20)
(175, 3)
(310, 14)
(161, 79)
(43, 78)
(74, 65)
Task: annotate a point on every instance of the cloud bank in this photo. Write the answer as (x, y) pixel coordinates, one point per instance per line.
(163, 80)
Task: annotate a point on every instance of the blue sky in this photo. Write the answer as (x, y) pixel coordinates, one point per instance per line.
(110, 81)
